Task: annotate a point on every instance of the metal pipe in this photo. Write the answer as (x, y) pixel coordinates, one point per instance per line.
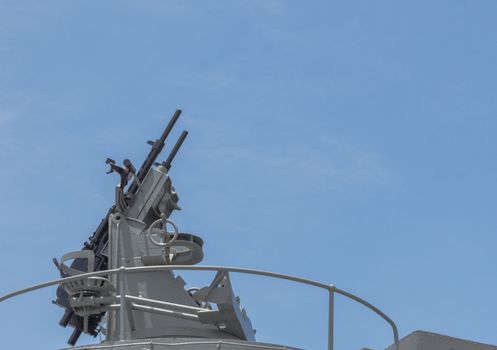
(331, 316)
(122, 307)
(376, 310)
(161, 311)
(227, 269)
(131, 318)
(57, 281)
(158, 303)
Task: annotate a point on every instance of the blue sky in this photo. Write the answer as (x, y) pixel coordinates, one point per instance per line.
(347, 142)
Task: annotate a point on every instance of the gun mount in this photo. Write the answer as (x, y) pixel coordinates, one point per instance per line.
(143, 210)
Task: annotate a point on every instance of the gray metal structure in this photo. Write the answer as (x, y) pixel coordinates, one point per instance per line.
(421, 340)
(123, 283)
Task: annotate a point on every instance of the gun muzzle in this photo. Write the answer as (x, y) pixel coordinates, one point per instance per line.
(170, 158)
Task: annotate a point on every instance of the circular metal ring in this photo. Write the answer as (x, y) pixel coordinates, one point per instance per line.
(164, 232)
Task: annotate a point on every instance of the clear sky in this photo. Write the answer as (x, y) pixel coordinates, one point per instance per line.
(349, 142)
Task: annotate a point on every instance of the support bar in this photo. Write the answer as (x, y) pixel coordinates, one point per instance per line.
(165, 312)
(331, 316)
(164, 304)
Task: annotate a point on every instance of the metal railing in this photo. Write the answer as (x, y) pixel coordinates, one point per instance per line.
(122, 271)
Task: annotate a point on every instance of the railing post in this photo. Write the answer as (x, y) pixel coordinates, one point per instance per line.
(331, 316)
(122, 307)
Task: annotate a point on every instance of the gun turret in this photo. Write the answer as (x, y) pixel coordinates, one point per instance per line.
(97, 243)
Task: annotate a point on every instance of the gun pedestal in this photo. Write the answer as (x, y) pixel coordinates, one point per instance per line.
(136, 233)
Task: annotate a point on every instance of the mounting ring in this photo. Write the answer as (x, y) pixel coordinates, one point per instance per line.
(164, 232)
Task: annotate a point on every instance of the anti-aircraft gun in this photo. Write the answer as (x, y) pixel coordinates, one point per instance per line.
(98, 243)
(122, 284)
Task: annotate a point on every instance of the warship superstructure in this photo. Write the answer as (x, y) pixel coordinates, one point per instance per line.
(124, 284)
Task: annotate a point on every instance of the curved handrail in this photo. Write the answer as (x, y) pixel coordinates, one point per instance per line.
(57, 281)
(329, 287)
(376, 310)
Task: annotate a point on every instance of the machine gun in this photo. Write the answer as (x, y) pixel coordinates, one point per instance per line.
(97, 243)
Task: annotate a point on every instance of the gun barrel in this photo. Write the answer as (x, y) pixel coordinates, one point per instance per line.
(74, 336)
(154, 152)
(169, 160)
